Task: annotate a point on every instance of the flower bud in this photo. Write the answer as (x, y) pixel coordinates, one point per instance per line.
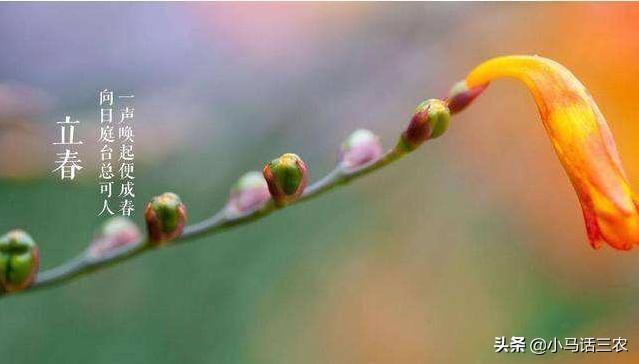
(286, 178)
(360, 149)
(461, 96)
(165, 217)
(249, 193)
(115, 233)
(431, 120)
(19, 261)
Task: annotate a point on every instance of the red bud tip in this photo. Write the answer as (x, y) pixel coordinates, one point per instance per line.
(461, 96)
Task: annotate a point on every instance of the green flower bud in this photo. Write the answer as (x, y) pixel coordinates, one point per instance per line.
(249, 193)
(19, 261)
(114, 233)
(165, 218)
(461, 96)
(431, 120)
(286, 178)
(361, 148)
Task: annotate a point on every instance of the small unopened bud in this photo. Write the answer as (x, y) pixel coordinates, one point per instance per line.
(19, 261)
(461, 96)
(165, 217)
(431, 120)
(249, 193)
(360, 149)
(286, 178)
(115, 233)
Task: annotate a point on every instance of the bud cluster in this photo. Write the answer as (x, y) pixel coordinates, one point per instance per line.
(283, 180)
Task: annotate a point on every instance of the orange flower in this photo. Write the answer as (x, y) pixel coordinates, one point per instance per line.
(582, 141)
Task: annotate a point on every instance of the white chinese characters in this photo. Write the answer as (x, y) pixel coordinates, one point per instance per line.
(68, 161)
(117, 154)
(541, 346)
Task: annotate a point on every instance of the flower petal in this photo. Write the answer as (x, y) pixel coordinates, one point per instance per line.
(582, 140)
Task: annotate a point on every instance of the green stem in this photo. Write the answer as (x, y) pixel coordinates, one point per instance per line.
(85, 263)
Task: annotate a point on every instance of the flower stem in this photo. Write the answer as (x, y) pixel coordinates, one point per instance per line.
(222, 220)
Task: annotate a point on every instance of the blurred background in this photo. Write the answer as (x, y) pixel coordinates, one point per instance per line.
(478, 234)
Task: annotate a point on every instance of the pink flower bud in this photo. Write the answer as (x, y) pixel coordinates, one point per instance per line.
(249, 193)
(115, 233)
(361, 148)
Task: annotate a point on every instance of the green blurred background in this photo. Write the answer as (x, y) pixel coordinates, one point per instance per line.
(478, 234)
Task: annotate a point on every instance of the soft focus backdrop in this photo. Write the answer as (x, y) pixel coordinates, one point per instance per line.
(476, 235)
